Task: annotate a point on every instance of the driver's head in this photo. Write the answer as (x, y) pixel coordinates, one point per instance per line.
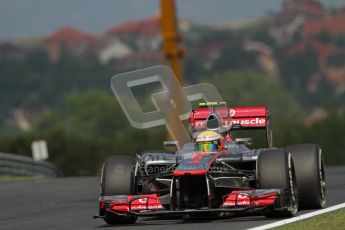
(209, 141)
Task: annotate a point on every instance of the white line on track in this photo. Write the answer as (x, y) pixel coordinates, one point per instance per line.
(298, 218)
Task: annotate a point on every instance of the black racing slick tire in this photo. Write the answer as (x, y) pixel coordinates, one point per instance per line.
(114, 219)
(118, 175)
(310, 173)
(118, 179)
(275, 170)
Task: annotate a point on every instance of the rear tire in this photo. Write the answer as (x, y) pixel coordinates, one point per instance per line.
(275, 170)
(310, 173)
(118, 179)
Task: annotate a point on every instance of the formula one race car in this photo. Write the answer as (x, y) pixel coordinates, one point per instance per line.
(214, 174)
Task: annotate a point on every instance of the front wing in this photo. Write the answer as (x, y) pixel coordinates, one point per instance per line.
(242, 201)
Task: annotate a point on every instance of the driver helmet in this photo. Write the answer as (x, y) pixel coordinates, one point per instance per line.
(209, 141)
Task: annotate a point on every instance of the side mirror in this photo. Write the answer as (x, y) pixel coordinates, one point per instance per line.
(245, 141)
(171, 144)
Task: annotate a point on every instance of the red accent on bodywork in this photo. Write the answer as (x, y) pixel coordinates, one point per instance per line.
(245, 199)
(190, 172)
(228, 139)
(237, 198)
(238, 112)
(246, 117)
(263, 200)
(137, 203)
(119, 207)
(197, 172)
(197, 157)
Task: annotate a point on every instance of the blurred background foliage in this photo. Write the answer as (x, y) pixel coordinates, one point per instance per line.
(85, 124)
(59, 89)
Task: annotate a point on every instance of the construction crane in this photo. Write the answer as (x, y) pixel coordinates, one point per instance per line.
(173, 53)
(171, 37)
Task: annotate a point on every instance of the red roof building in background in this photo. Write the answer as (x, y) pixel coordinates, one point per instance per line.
(291, 17)
(306, 7)
(141, 36)
(332, 24)
(145, 28)
(333, 75)
(322, 50)
(312, 7)
(75, 41)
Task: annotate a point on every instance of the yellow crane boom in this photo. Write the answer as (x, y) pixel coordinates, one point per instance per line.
(171, 37)
(173, 53)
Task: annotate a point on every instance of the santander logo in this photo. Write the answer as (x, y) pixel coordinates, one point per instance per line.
(142, 200)
(232, 112)
(242, 196)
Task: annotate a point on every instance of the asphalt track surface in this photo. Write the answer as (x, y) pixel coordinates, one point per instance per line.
(70, 203)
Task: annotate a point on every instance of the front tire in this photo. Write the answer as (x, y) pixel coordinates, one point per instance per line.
(118, 179)
(275, 170)
(118, 176)
(113, 219)
(310, 172)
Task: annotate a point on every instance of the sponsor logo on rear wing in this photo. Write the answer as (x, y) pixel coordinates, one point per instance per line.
(251, 122)
(236, 118)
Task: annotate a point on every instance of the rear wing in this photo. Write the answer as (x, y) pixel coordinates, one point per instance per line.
(249, 117)
(235, 118)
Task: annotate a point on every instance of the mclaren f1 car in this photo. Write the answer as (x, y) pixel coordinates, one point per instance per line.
(215, 173)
